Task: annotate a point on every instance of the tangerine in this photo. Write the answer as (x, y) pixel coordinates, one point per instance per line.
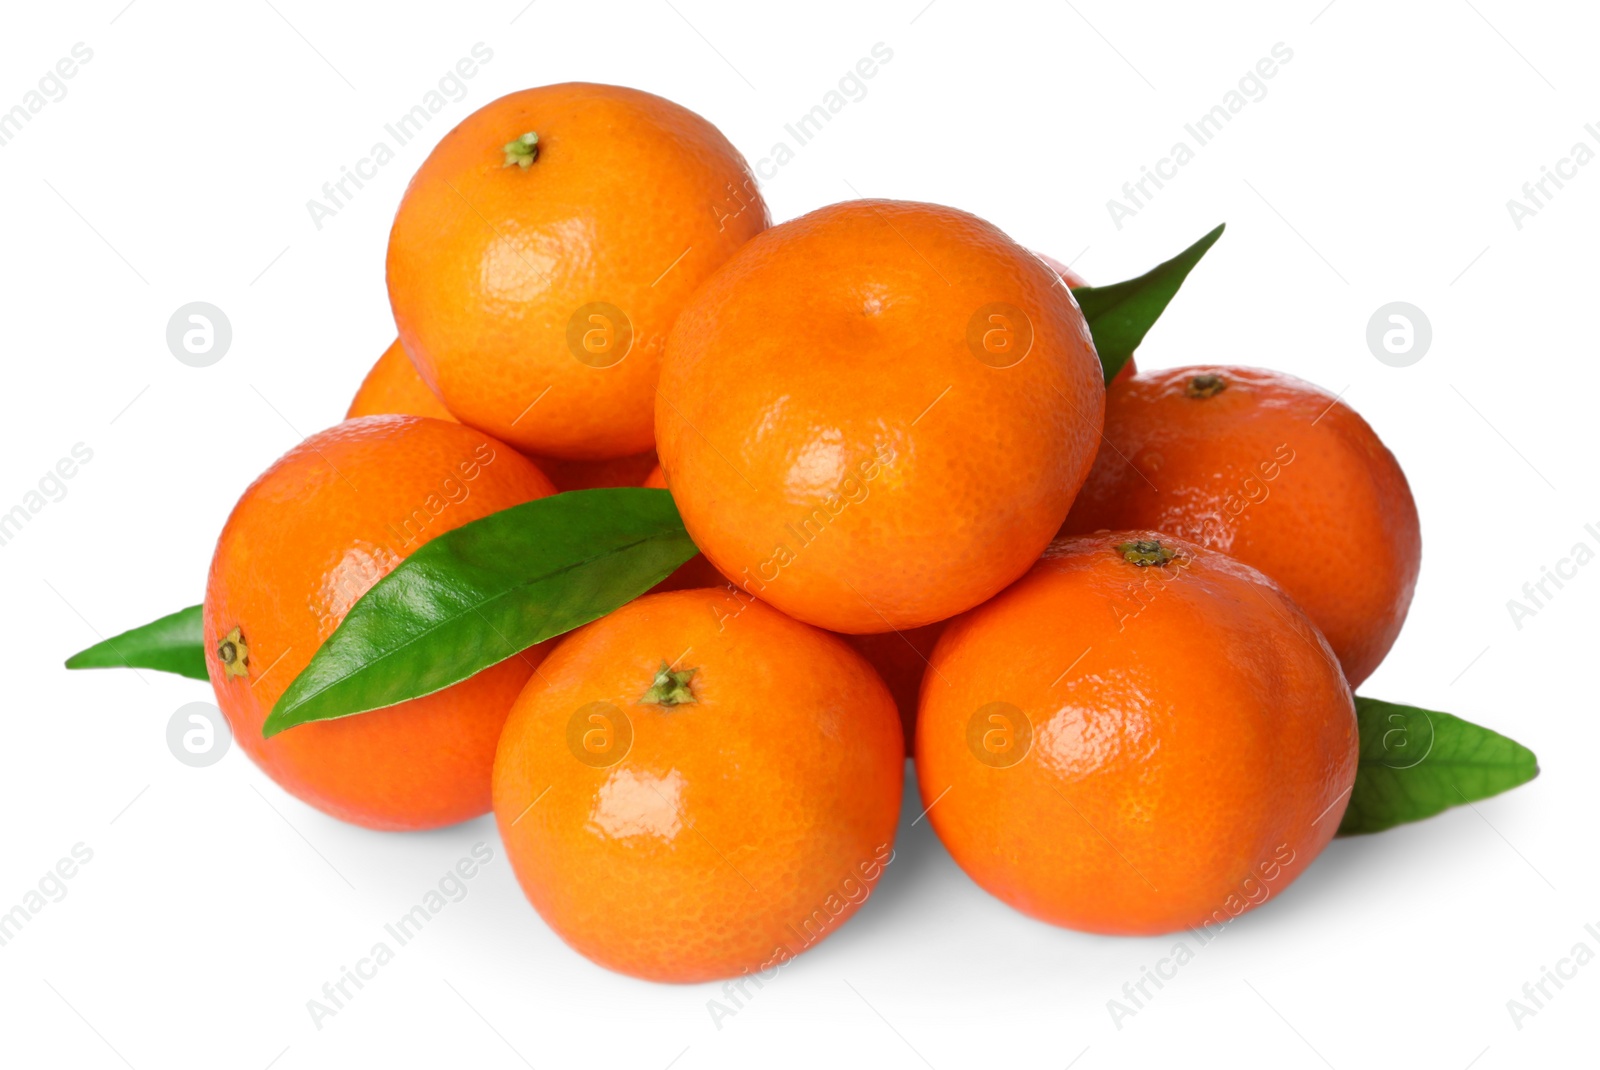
(686, 796)
(543, 250)
(322, 525)
(873, 416)
(1276, 472)
(1138, 736)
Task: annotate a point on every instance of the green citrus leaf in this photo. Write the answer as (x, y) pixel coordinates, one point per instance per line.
(171, 644)
(483, 592)
(1415, 763)
(1120, 315)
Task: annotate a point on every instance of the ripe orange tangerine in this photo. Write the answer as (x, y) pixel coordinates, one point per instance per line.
(1141, 735)
(322, 525)
(1276, 472)
(543, 251)
(873, 416)
(686, 796)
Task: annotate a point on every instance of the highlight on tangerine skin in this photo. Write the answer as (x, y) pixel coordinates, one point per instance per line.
(694, 787)
(1139, 736)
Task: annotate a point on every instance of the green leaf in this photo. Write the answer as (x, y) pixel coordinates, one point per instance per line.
(483, 592)
(1415, 763)
(1120, 315)
(171, 644)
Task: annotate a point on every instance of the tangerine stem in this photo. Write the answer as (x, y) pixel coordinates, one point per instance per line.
(523, 151)
(670, 687)
(1145, 552)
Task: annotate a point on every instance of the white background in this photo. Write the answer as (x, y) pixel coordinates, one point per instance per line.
(1377, 168)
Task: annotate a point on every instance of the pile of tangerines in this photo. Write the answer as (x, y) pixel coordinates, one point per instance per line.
(1117, 628)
